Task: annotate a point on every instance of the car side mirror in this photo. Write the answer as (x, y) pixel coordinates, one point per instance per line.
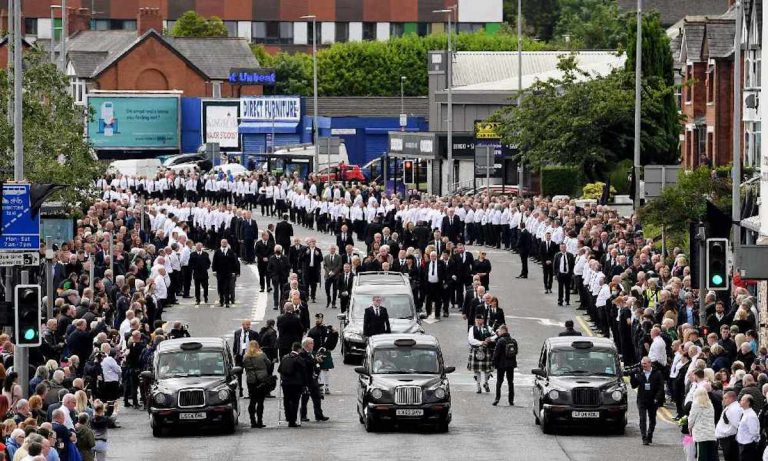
(237, 370)
(449, 370)
(146, 375)
(361, 371)
(538, 372)
(422, 316)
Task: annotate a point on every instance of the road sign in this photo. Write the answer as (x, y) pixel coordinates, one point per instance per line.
(19, 259)
(20, 231)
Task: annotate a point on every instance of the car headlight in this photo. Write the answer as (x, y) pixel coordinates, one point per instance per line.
(440, 393)
(553, 394)
(617, 395)
(377, 394)
(161, 399)
(223, 395)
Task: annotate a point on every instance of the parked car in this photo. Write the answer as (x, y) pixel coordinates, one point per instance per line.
(189, 162)
(234, 169)
(352, 173)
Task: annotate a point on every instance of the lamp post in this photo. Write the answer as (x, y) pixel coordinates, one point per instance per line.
(638, 99)
(449, 11)
(314, 88)
(403, 119)
(521, 169)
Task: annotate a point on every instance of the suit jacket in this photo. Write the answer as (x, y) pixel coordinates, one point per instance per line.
(346, 259)
(524, 243)
(345, 287)
(557, 262)
(334, 267)
(199, 264)
(236, 349)
(294, 256)
(279, 268)
(548, 254)
(249, 230)
(263, 250)
(283, 234)
(464, 268)
(305, 260)
(442, 272)
(439, 246)
(495, 319)
(650, 395)
(376, 324)
(225, 264)
(343, 242)
(289, 330)
(452, 229)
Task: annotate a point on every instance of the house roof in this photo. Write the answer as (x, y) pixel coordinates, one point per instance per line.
(693, 41)
(92, 52)
(368, 106)
(497, 71)
(672, 11)
(720, 35)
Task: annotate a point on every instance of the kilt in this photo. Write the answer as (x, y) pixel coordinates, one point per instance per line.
(327, 363)
(480, 361)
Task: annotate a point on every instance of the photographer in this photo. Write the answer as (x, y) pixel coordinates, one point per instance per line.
(650, 396)
(323, 336)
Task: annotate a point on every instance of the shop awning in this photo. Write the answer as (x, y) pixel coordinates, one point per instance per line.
(268, 127)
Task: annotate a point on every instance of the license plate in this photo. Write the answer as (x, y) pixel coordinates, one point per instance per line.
(409, 412)
(585, 414)
(192, 416)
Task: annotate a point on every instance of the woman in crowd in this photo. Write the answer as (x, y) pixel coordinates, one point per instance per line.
(256, 366)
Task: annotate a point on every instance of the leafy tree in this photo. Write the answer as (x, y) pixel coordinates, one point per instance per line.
(591, 24)
(54, 148)
(191, 24)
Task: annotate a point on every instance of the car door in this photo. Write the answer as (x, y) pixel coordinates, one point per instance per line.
(363, 380)
(538, 381)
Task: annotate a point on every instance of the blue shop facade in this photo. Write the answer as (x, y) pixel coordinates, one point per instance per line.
(253, 126)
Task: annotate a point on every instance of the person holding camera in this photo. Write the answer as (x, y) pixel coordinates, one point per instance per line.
(649, 384)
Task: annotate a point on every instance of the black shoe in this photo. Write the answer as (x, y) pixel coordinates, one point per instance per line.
(227, 306)
(253, 424)
(206, 300)
(512, 404)
(322, 418)
(649, 439)
(646, 442)
(495, 402)
(519, 277)
(127, 405)
(293, 425)
(269, 290)
(261, 290)
(259, 425)
(568, 304)
(479, 391)
(304, 420)
(559, 303)
(274, 308)
(486, 387)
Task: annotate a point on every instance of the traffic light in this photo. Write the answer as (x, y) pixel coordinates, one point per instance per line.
(717, 264)
(408, 172)
(28, 316)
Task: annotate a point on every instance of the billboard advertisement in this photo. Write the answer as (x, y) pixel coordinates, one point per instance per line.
(266, 108)
(134, 122)
(220, 123)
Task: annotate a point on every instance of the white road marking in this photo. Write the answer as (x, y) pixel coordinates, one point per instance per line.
(260, 306)
(545, 322)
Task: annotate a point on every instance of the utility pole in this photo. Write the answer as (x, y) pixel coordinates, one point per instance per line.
(9, 47)
(18, 140)
(63, 37)
(314, 90)
(736, 167)
(449, 11)
(521, 169)
(638, 98)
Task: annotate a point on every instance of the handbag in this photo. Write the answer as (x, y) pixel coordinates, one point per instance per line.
(268, 384)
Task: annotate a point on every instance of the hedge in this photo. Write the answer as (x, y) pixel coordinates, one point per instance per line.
(560, 181)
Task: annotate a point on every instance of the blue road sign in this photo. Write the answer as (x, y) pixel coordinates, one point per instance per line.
(20, 231)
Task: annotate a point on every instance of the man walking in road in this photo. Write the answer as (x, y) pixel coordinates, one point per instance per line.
(505, 362)
(289, 329)
(278, 269)
(199, 263)
(332, 267)
(649, 384)
(242, 338)
(292, 380)
(313, 387)
(263, 249)
(547, 252)
(376, 319)
(564, 263)
(344, 287)
(225, 265)
(524, 243)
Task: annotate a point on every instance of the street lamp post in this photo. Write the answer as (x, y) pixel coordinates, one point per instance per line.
(449, 11)
(403, 123)
(314, 88)
(521, 169)
(638, 99)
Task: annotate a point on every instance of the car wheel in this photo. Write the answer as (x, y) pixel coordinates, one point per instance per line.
(157, 430)
(443, 426)
(370, 422)
(546, 426)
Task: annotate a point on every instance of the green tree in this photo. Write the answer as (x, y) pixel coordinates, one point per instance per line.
(591, 24)
(657, 69)
(55, 150)
(191, 24)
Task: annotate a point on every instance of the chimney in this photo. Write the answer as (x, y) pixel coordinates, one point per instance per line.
(79, 19)
(149, 18)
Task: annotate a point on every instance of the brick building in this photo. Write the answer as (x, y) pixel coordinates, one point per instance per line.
(280, 23)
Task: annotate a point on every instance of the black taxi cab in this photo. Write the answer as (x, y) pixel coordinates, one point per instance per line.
(403, 381)
(579, 382)
(194, 382)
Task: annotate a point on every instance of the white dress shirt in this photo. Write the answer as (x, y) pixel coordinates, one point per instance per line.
(749, 428)
(733, 412)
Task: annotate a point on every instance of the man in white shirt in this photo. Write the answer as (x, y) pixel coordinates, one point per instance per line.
(728, 426)
(658, 350)
(748, 434)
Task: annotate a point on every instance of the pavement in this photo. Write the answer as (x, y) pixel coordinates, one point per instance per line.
(478, 429)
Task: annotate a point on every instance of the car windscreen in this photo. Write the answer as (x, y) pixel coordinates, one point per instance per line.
(405, 361)
(398, 306)
(582, 362)
(190, 363)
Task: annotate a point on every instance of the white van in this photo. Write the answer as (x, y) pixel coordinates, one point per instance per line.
(309, 150)
(140, 167)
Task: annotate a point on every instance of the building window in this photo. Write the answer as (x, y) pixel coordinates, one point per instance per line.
(231, 28)
(701, 143)
(342, 32)
(369, 31)
(710, 152)
(469, 27)
(78, 90)
(318, 31)
(169, 25)
(273, 32)
(103, 24)
(259, 32)
(424, 28)
(30, 26)
(286, 32)
(753, 62)
(396, 29)
(752, 143)
(711, 84)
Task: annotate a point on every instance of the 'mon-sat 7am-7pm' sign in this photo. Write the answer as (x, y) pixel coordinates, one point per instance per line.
(127, 121)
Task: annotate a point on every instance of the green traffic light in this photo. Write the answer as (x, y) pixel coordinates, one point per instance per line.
(29, 335)
(717, 280)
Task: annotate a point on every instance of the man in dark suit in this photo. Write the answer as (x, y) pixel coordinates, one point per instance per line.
(344, 283)
(249, 229)
(346, 257)
(344, 238)
(376, 319)
(289, 330)
(569, 330)
(452, 227)
(199, 263)
(463, 262)
(494, 317)
(243, 336)
(332, 267)
(295, 253)
(437, 242)
(547, 251)
(564, 263)
(278, 269)
(227, 267)
(283, 232)
(263, 250)
(311, 260)
(434, 275)
(524, 243)
(650, 396)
